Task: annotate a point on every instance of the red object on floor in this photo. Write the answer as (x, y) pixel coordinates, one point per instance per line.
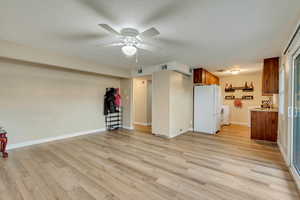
(3, 143)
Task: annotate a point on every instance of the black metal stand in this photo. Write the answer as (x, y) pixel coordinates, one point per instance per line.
(113, 121)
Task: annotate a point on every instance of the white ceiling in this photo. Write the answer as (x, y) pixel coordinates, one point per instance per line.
(243, 69)
(211, 33)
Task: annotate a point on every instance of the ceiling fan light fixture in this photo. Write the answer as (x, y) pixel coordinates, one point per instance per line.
(129, 50)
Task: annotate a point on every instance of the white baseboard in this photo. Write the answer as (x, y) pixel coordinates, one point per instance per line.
(240, 123)
(128, 128)
(295, 177)
(142, 123)
(162, 136)
(286, 160)
(291, 168)
(177, 134)
(50, 139)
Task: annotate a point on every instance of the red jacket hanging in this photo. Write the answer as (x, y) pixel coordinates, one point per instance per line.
(118, 98)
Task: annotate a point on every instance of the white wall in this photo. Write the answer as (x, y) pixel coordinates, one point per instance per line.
(41, 56)
(172, 103)
(39, 102)
(160, 105)
(126, 86)
(181, 103)
(172, 66)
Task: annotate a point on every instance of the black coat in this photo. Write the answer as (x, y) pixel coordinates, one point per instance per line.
(109, 101)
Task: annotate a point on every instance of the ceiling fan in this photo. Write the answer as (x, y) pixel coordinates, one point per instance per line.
(130, 39)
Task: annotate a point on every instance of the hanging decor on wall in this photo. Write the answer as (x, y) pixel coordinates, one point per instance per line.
(245, 88)
(238, 103)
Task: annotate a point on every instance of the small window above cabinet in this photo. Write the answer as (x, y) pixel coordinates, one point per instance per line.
(270, 80)
(203, 77)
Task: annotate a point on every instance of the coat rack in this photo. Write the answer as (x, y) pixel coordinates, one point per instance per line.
(114, 120)
(113, 116)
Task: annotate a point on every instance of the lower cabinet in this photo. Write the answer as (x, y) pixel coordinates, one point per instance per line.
(264, 125)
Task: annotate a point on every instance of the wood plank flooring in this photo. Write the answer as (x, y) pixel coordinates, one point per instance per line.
(134, 165)
(144, 129)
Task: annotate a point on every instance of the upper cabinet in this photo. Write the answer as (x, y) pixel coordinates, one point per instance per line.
(270, 79)
(202, 76)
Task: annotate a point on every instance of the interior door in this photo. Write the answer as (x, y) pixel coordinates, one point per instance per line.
(296, 115)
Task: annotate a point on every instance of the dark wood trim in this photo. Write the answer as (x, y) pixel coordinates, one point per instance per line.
(292, 40)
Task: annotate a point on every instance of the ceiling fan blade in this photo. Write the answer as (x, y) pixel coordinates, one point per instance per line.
(151, 32)
(81, 36)
(116, 44)
(109, 29)
(146, 47)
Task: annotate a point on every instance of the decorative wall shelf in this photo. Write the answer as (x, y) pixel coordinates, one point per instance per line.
(246, 97)
(233, 89)
(229, 97)
(248, 89)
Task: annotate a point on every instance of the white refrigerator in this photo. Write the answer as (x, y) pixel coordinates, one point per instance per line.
(207, 109)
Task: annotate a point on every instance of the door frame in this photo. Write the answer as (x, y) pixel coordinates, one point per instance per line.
(291, 116)
(134, 78)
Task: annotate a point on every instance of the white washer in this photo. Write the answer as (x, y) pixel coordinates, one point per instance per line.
(225, 113)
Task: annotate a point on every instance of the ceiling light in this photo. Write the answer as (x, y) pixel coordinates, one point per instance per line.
(129, 50)
(235, 71)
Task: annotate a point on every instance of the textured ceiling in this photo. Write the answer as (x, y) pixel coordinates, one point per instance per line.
(211, 33)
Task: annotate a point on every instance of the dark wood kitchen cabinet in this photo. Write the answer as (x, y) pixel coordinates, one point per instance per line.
(270, 79)
(264, 125)
(203, 77)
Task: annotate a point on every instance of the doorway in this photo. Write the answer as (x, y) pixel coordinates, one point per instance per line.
(142, 103)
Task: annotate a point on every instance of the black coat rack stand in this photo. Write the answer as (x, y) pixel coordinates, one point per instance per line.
(114, 120)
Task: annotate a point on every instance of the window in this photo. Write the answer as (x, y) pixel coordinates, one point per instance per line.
(281, 90)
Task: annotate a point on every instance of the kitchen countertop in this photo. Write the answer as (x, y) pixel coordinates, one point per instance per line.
(265, 109)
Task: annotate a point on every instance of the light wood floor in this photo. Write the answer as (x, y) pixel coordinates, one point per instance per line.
(134, 165)
(145, 129)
